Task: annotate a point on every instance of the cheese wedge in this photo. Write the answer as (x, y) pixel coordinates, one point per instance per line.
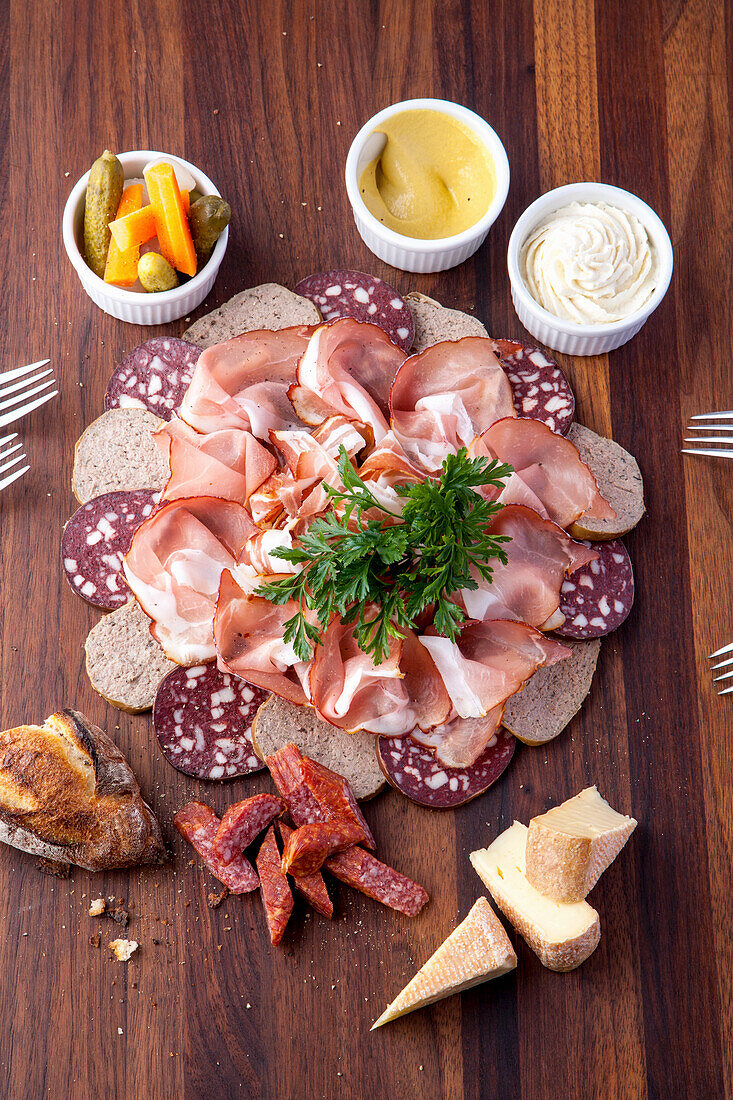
(561, 935)
(570, 846)
(477, 950)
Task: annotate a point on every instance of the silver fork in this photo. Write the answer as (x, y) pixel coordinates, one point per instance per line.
(701, 441)
(8, 448)
(19, 389)
(723, 664)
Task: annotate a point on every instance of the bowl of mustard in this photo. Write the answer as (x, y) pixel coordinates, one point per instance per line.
(426, 179)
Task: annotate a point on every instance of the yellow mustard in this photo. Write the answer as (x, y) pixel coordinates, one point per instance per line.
(433, 179)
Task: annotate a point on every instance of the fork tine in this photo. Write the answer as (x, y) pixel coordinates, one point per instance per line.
(25, 395)
(13, 477)
(7, 438)
(721, 651)
(5, 391)
(725, 676)
(727, 414)
(13, 462)
(722, 664)
(726, 691)
(8, 418)
(700, 439)
(710, 453)
(20, 372)
(709, 428)
(10, 450)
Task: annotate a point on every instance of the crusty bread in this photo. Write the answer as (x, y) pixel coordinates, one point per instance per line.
(269, 306)
(125, 664)
(117, 451)
(550, 698)
(433, 322)
(67, 794)
(353, 755)
(619, 479)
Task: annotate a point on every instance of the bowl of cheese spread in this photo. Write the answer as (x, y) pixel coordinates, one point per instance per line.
(426, 179)
(588, 264)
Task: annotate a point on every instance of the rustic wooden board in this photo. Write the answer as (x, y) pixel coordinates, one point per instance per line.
(266, 98)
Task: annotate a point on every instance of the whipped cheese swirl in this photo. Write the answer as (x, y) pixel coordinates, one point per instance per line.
(590, 263)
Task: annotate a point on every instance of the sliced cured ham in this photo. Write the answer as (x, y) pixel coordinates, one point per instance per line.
(350, 691)
(461, 741)
(244, 382)
(229, 463)
(445, 396)
(385, 468)
(347, 369)
(528, 586)
(489, 662)
(249, 640)
(549, 465)
(174, 566)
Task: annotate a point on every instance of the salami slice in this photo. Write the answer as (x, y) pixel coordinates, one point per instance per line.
(95, 540)
(276, 895)
(413, 770)
(153, 376)
(596, 598)
(312, 887)
(363, 297)
(539, 387)
(243, 822)
(198, 824)
(364, 872)
(307, 849)
(203, 722)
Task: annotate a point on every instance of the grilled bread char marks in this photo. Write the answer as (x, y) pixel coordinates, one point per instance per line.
(68, 794)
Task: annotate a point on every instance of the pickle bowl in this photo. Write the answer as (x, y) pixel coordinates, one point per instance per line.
(136, 307)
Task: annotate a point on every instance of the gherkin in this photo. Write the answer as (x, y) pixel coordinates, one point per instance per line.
(104, 191)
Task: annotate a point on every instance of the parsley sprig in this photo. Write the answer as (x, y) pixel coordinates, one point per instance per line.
(381, 570)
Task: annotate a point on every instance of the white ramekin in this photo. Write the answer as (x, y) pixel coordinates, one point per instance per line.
(412, 253)
(569, 337)
(128, 305)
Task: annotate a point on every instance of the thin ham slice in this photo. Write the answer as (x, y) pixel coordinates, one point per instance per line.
(459, 742)
(347, 369)
(229, 463)
(489, 662)
(174, 566)
(445, 396)
(549, 465)
(539, 557)
(244, 382)
(248, 630)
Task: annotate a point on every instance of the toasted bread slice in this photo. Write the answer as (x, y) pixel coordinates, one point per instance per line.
(67, 794)
(117, 451)
(619, 479)
(433, 322)
(550, 698)
(352, 755)
(269, 306)
(125, 664)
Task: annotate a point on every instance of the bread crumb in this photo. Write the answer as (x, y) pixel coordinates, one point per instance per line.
(123, 949)
(97, 907)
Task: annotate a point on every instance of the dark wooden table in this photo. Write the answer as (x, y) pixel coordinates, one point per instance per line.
(266, 97)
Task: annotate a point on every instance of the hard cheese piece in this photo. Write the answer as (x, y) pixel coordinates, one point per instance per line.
(560, 934)
(570, 846)
(479, 949)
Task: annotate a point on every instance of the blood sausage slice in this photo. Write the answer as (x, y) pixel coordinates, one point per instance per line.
(340, 294)
(312, 887)
(596, 599)
(198, 824)
(539, 387)
(153, 376)
(95, 540)
(203, 722)
(276, 895)
(414, 771)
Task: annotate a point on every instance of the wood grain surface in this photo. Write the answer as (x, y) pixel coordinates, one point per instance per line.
(266, 96)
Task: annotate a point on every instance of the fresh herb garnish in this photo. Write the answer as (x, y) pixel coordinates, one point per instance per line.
(381, 573)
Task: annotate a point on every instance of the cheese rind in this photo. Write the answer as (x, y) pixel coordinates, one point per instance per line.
(570, 846)
(561, 935)
(478, 949)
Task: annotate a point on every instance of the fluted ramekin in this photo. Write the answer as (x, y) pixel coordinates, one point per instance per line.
(132, 306)
(414, 253)
(569, 337)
